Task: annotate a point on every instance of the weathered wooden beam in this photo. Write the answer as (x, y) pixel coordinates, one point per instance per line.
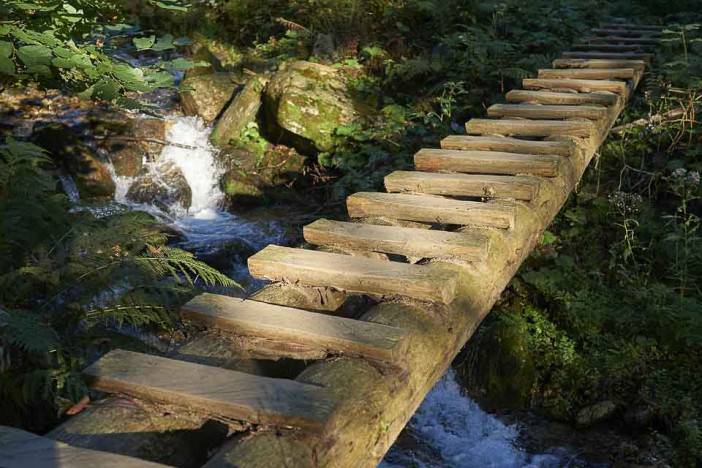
(539, 128)
(621, 40)
(601, 47)
(607, 55)
(430, 209)
(640, 27)
(561, 98)
(21, 449)
(355, 274)
(582, 86)
(508, 144)
(335, 335)
(637, 65)
(410, 242)
(488, 162)
(462, 185)
(212, 390)
(625, 32)
(540, 111)
(588, 73)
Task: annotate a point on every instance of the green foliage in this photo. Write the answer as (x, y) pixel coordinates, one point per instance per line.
(60, 44)
(70, 282)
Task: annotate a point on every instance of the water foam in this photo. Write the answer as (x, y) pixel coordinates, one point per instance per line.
(453, 431)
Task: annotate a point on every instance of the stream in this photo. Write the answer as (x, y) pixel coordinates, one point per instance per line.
(448, 430)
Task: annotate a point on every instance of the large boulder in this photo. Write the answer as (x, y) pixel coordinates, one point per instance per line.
(90, 172)
(305, 102)
(499, 369)
(205, 95)
(240, 113)
(164, 186)
(250, 179)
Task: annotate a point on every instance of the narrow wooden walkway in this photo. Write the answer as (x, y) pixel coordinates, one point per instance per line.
(388, 299)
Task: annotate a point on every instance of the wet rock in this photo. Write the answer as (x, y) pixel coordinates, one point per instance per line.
(127, 160)
(240, 113)
(250, 178)
(206, 95)
(499, 370)
(90, 172)
(164, 186)
(593, 414)
(305, 102)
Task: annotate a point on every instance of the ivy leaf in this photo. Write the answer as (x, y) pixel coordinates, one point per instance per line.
(164, 42)
(180, 64)
(36, 58)
(7, 66)
(170, 5)
(144, 43)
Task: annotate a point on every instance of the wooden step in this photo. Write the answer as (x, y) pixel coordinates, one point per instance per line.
(488, 162)
(611, 47)
(21, 449)
(507, 144)
(520, 127)
(213, 390)
(621, 40)
(539, 111)
(462, 185)
(335, 335)
(625, 32)
(607, 55)
(561, 98)
(631, 26)
(430, 209)
(588, 73)
(410, 242)
(598, 63)
(582, 86)
(355, 274)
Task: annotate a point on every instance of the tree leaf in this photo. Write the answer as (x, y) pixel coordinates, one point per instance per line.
(34, 56)
(144, 43)
(164, 42)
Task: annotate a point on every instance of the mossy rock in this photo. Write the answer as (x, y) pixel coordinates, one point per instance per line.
(306, 102)
(499, 369)
(239, 113)
(90, 172)
(205, 95)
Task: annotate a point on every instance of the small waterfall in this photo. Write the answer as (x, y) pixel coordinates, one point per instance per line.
(70, 188)
(198, 164)
(451, 430)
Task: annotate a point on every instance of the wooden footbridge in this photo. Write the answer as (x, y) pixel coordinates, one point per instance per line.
(380, 305)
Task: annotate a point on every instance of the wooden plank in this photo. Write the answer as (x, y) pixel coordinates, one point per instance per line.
(622, 40)
(410, 242)
(644, 27)
(540, 128)
(561, 98)
(462, 185)
(625, 32)
(507, 144)
(607, 55)
(21, 449)
(487, 162)
(638, 65)
(588, 73)
(601, 47)
(582, 86)
(355, 274)
(213, 390)
(430, 209)
(539, 111)
(335, 335)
